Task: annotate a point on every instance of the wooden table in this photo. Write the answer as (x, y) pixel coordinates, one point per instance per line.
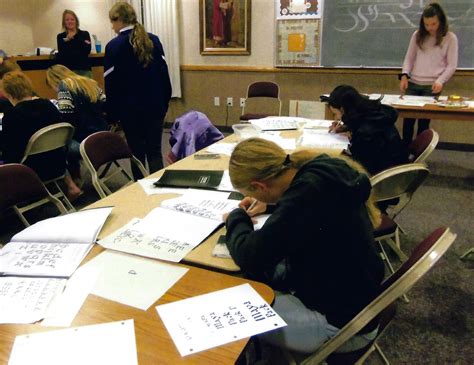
(154, 345)
(428, 111)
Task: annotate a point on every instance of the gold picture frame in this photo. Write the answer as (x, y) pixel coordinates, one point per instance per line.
(224, 27)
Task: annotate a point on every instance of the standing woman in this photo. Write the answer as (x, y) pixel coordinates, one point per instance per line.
(137, 85)
(431, 60)
(74, 45)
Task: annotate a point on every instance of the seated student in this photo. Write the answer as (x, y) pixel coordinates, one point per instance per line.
(317, 247)
(374, 141)
(28, 115)
(6, 66)
(80, 101)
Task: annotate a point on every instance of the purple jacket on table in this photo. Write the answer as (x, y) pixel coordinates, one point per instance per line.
(191, 132)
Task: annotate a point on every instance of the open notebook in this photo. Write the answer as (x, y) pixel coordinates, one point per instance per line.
(53, 247)
(169, 232)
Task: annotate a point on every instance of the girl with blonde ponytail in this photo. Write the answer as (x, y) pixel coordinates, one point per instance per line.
(316, 248)
(137, 85)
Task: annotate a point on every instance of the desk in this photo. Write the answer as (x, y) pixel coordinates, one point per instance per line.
(428, 111)
(154, 345)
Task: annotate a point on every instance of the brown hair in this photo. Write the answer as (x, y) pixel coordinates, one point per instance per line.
(17, 85)
(70, 12)
(139, 39)
(260, 159)
(7, 66)
(430, 11)
(76, 84)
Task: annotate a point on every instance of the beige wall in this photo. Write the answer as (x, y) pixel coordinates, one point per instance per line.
(27, 24)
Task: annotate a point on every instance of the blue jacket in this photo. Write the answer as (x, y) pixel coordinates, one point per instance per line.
(132, 88)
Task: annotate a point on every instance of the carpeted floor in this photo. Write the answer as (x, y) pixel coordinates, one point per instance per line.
(437, 326)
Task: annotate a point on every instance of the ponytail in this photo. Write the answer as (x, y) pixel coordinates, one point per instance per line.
(142, 44)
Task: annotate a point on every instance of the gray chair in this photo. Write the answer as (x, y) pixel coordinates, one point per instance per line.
(47, 139)
(22, 189)
(100, 150)
(382, 308)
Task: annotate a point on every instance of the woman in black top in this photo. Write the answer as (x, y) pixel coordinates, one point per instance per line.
(317, 247)
(375, 142)
(74, 45)
(28, 115)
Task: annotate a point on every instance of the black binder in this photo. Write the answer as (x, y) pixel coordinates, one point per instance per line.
(203, 179)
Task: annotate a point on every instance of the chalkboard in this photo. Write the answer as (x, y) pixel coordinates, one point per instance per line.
(376, 33)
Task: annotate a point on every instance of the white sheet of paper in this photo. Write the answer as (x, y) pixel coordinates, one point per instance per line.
(203, 194)
(77, 227)
(131, 280)
(226, 184)
(99, 344)
(318, 123)
(42, 259)
(285, 143)
(150, 189)
(213, 319)
(25, 300)
(160, 235)
(206, 207)
(221, 148)
(313, 138)
(64, 308)
(277, 123)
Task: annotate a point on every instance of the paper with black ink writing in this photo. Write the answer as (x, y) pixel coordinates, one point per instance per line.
(26, 300)
(132, 280)
(99, 344)
(213, 319)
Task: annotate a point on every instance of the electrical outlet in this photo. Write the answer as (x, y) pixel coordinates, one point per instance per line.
(242, 102)
(217, 101)
(230, 101)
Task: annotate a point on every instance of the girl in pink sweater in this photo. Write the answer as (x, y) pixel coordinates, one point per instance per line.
(431, 60)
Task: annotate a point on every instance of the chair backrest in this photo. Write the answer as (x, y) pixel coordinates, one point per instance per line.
(49, 138)
(424, 256)
(106, 148)
(191, 132)
(398, 182)
(261, 89)
(20, 184)
(422, 146)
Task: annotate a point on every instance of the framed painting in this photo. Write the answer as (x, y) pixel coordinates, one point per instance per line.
(224, 27)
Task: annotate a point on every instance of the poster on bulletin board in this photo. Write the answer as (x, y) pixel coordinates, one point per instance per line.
(298, 43)
(298, 9)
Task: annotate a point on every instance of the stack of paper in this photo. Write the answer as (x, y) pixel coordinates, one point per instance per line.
(277, 123)
(317, 139)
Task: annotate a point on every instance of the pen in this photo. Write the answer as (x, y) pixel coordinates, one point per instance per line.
(252, 205)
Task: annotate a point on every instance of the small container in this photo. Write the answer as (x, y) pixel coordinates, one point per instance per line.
(244, 131)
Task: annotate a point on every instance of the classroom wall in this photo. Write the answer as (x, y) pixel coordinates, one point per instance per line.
(27, 24)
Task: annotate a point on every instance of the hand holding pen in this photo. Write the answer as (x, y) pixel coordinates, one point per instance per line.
(253, 206)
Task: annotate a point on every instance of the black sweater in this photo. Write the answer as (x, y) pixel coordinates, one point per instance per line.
(375, 141)
(321, 229)
(74, 54)
(19, 124)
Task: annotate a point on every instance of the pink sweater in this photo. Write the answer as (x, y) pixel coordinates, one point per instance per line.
(432, 63)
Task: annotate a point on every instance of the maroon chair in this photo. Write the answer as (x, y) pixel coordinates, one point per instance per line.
(261, 90)
(22, 189)
(422, 146)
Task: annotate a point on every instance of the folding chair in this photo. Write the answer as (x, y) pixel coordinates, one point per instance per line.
(22, 189)
(47, 139)
(399, 182)
(422, 146)
(422, 259)
(101, 149)
(261, 91)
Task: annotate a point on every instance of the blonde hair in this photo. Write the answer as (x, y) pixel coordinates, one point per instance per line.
(69, 12)
(7, 66)
(260, 159)
(139, 39)
(17, 85)
(75, 83)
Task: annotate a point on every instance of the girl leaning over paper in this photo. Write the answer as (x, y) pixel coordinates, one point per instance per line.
(316, 248)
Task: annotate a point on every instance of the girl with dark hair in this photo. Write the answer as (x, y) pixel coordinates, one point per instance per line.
(431, 59)
(74, 45)
(137, 85)
(375, 142)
